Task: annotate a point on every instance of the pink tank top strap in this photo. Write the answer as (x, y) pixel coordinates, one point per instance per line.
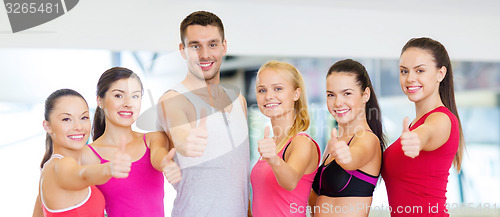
(317, 146)
(95, 152)
(302, 134)
(144, 138)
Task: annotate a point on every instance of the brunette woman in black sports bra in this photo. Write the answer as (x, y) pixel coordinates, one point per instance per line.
(349, 172)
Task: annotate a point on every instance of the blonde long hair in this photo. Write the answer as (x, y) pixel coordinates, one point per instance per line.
(301, 119)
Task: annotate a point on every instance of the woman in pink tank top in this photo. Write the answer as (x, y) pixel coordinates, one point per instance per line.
(66, 187)
(119, 94)
(282, 178)
(416, 166)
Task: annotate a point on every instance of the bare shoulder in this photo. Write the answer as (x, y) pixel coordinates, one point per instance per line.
(367, 136)
(438, 121)
(88, 156)
(242, 101)
(438, 127)
(156, 136)
(172, 98)
(302, 143)
(96, 144)
(366, 139)
(64, 166)
(175, 108)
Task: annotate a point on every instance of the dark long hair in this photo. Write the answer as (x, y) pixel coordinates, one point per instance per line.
(372, 109)
(107, 78)
(49, 107)
(446, 89)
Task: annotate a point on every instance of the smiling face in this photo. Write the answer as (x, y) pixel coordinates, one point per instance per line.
(276, 95)
(122, 102)
(419, 76)
(203, 49)
(69, 123)
(345, 99)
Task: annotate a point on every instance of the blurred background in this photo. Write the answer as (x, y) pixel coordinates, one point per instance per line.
(73, 50)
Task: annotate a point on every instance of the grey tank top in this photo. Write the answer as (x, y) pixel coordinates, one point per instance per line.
(217, 183)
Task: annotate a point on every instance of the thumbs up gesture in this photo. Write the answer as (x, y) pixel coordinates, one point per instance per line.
(121, 163)
(170, 169)
(339, 149)
(410, 142)
(196, 141)
(267, 147)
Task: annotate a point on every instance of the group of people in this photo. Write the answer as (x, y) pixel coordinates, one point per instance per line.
(202, 146)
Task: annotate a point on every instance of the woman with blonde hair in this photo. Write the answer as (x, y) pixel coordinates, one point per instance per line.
(282, 178)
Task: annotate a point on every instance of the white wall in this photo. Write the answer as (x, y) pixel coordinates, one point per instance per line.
(469, 29)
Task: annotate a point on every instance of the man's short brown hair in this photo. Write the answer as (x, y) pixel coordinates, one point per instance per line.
(203, 18)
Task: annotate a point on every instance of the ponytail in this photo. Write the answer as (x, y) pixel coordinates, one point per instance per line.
(374, 117)
(49, 106)
(49, 149)
(105, 81)
(99, 124)
(446, 89)
(372, 109)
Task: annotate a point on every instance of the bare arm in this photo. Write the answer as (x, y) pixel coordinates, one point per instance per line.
(159, 144)
(75, 177)
(434, 132)
(288, 174)
(189, 141)
(243, 104)
(72, 176)
(37, 210)
(162, 158)
(429, 136)
(362, 149)
(249, 208)
(313, 197)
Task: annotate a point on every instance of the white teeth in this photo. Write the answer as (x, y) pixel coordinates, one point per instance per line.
(270, 105)
(205, 65)
(342, 111)
(76, 137)
(125, 113)
(413, 88)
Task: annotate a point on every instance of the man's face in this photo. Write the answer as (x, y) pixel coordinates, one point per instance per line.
(203, 50)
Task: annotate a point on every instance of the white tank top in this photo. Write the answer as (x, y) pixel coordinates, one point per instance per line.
(216, 184)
